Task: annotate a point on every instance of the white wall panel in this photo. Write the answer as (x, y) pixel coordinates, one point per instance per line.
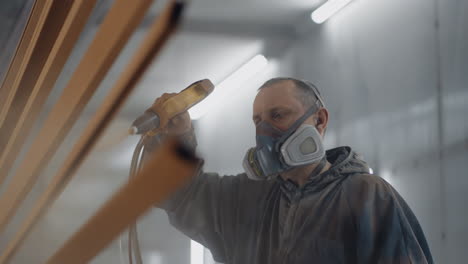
(382, 66)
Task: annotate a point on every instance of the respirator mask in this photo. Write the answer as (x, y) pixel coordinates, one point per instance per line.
(278, 151)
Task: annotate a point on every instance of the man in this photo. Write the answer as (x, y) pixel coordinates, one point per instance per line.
(296, 203)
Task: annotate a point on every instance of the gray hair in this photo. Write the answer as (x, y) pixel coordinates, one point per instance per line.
(307, 93)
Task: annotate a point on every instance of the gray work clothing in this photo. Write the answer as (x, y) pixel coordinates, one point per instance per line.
(344, 215)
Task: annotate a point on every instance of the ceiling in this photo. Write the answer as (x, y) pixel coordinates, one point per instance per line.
(263, 11)
(217, 36)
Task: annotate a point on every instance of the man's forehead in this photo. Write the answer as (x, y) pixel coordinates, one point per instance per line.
(282, 94)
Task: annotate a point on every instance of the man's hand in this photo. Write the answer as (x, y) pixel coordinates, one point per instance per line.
(180, 124)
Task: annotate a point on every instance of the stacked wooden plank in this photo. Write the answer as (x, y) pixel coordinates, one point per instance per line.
(31, 77)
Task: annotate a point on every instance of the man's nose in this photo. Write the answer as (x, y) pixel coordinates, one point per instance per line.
(265, 129)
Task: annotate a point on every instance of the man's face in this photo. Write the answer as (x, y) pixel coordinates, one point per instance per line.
(279, 106)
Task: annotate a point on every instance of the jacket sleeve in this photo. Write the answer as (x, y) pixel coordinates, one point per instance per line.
(207, 210)
(387, 231)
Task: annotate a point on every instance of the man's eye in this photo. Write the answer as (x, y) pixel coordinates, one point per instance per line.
(276, 116)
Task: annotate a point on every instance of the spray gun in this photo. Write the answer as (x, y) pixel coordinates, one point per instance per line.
(150, 125)
(157, 116)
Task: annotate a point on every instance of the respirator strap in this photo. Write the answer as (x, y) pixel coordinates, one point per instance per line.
(298, 123)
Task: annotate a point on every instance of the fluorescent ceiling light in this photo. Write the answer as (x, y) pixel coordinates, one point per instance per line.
(327, 10)
(196, 253)
(228, 86)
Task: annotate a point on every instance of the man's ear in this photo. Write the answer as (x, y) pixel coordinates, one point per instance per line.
(321, 120)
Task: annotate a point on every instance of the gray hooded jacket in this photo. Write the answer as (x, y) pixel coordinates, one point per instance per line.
(344, 215)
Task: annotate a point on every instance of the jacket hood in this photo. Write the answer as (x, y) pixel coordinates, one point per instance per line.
(345, 161)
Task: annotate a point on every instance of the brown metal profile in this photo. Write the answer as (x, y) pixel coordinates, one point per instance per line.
(167, 170)
(117, 27)
(25, 44)
(28, 63)
(157, 35)
(16, 132)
